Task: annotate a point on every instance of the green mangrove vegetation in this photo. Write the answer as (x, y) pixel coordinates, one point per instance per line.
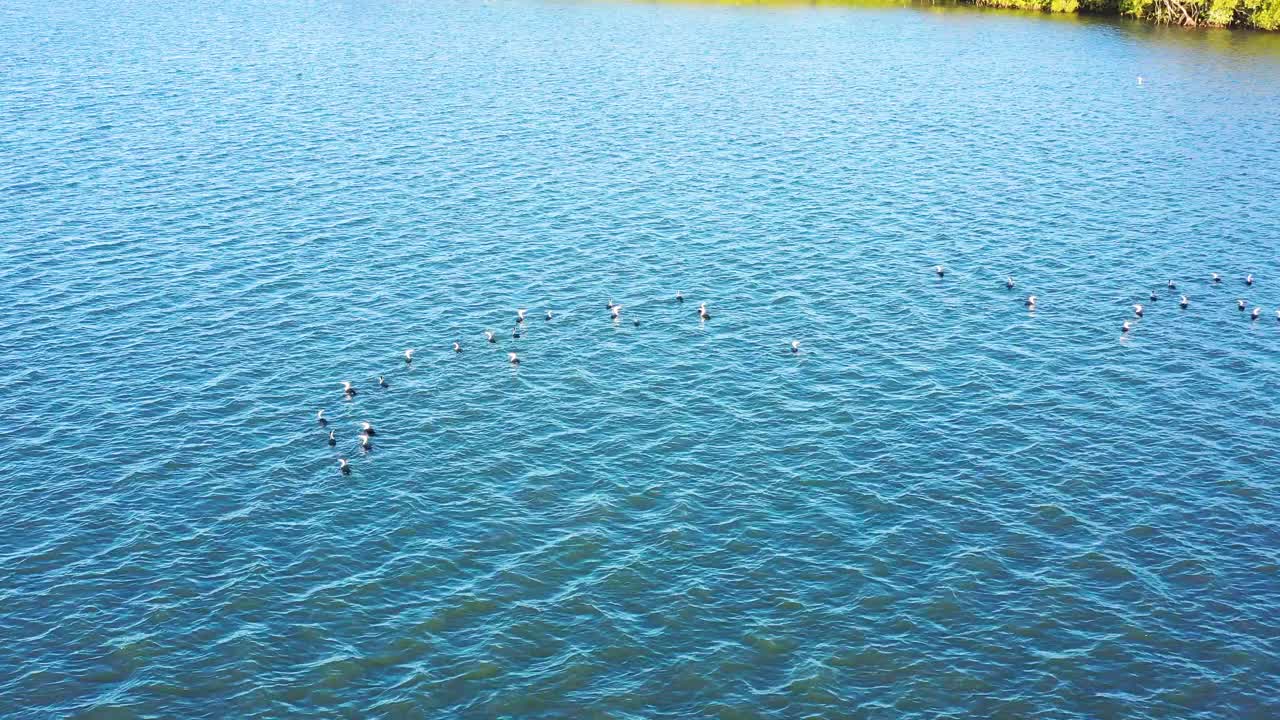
(1251, 14)
(1257, 14)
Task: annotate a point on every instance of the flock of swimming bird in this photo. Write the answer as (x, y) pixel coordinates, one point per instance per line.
(367, 430)
(1184, 302)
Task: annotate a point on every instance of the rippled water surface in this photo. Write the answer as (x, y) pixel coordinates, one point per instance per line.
(943, 506)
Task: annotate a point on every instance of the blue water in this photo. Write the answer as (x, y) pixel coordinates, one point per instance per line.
(943, 506)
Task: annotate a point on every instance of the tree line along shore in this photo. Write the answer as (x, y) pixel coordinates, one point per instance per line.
(1241, 14)
(1253, 14)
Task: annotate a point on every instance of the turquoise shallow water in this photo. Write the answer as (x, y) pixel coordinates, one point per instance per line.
(944, 506)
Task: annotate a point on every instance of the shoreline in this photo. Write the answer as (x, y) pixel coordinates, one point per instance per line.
(1262, 15)
(1234, 14)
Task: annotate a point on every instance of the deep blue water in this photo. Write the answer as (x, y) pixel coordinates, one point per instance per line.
(943, 506)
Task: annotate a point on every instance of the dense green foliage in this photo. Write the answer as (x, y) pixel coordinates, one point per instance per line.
(1260, 14)
(1250, 14)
